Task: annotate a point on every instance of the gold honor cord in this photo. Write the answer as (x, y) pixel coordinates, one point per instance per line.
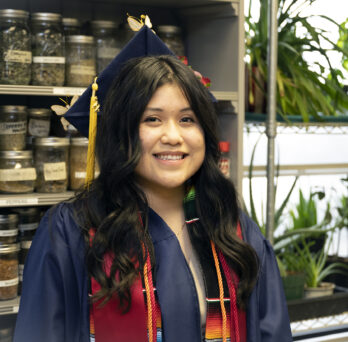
(93, 110)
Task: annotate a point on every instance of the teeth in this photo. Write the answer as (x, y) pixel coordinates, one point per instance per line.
(169, 156)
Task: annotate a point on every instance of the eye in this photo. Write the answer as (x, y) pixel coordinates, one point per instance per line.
(188, 119)
(151, 119)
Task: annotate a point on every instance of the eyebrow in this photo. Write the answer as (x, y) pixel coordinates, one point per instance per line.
(155, 109)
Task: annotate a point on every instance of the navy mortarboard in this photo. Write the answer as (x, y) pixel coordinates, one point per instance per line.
(144, 43)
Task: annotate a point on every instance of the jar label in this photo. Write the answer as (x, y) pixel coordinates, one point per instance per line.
(9, 232)
(10, 282)
(107, 52)
(20, 272)
(26, 244)
(13, 127)
(38, 128)
(10, 175)
(83, 69)
(17, 56)
(82, 174)
(54, 171)
(49, 59)
(28, 226)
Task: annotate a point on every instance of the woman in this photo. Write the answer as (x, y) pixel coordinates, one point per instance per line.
(158, 241)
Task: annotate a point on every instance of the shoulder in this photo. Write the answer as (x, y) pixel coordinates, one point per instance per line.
(59, 225)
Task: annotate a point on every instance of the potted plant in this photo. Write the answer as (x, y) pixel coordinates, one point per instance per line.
(301, 87)
(316, 269)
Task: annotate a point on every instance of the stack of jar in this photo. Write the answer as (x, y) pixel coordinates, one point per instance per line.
(48, 163)
(43, 52)
(17, 230)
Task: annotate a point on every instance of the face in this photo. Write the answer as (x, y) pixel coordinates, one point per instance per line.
(172, 140)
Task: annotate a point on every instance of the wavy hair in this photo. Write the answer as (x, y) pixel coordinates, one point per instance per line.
(114, 202)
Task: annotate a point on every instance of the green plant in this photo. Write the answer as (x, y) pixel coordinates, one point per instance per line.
(301, 87)
(314, 264)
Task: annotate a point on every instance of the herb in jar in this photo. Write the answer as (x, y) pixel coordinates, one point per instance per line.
(8, 271)
(48, 49)
(13, 127)
(51, 162)
(15, 47)
(17, 172)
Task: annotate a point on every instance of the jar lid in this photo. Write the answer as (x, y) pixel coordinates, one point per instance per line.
(12, 13)
(9, 248)
(51, 141)
(13, 109)
(169, 29)
(16, 154)
(8, 218)
(80, 39)
(71, 22)
(39, 112)
(103, 24)
(224, 146)
(79, 141)
(38, 16)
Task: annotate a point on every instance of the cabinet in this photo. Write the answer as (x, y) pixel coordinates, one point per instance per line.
(214, 40)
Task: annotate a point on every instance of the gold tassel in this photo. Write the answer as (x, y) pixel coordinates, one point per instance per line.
(93, 109)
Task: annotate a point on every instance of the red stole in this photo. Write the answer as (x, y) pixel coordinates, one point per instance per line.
(109, 324)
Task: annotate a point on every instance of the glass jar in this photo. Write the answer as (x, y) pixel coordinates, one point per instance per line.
(71, 26)
(8, 228)
(39, 121)
(171, 36)
(48, 67)
(81, 61)
(51, 157)
(15, 47)
(8, 271)
(28, 222)
(13, 127)
(17, 172)
(78, 162)
(107, 45)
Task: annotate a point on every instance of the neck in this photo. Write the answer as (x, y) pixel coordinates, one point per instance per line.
(167, 203)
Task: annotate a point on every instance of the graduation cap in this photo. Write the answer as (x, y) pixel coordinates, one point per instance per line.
(144, 43)
(83, 113)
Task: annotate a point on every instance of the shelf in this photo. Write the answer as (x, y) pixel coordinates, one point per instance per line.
(39, 90)
(30, 90)
(8, 307)
(330, 125)
(34, 199)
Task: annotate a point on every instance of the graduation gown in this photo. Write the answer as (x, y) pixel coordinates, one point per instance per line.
(54, 303)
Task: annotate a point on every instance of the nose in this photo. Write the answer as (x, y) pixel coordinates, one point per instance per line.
(172, 134)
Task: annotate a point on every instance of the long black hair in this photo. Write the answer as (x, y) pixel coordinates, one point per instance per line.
(114, 202)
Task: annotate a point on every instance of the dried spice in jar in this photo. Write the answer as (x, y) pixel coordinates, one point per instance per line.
(51, 157)
(171, 36)
(17, 172)
(15, 47)
(81, 61)
(28, 223)
(108, 43)
(39, 122)
(48, 67)
(8, 271)
(13, 127)
(8, 228)
(78, 162)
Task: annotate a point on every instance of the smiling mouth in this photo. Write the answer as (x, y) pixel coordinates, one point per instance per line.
(170, 156)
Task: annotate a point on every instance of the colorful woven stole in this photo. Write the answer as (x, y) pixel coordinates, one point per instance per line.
(224, 322)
